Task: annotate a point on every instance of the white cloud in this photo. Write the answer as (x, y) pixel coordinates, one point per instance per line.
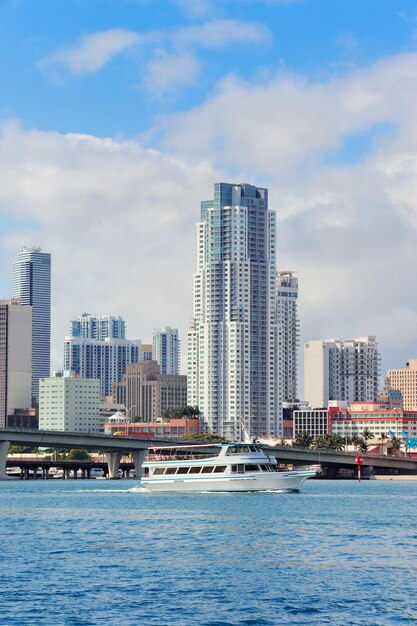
(219, 33)
(168, 59)
(350, 229)
(170, 72)
(119, 219)
(92, 52)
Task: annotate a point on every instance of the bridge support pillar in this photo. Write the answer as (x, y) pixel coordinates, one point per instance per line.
(4, 450)
(113, 462)
(138, 457)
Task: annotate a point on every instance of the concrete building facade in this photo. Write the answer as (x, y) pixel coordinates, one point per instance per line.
(70, 404)
(336, 369)
(173, 429)
(32, 286)
(233, 341)
(147, 394)
(105, 359)
(404, 380)
(166, 349)
(289, 333)
(15, 359)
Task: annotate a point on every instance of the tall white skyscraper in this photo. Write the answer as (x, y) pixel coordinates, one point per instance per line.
(32, 285)
(166, 349)
(337, 369)
(289, 333)
(233, 342)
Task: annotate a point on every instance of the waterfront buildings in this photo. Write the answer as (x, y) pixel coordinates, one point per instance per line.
(370, 416)
(69, 403)
(98, 327)
(15, 359)
(32, 286)
(166, 349)
(336, 369)
(233, 371)
(174, 428)
(351, 421)
(405, 380)
(147, 394)
(289, 333)
(99, 349)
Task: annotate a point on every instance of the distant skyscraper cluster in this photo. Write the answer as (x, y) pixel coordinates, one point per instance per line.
(99, 350)
(242, 347)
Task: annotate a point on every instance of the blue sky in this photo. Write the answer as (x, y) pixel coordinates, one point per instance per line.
(316, 38)
(117, 117)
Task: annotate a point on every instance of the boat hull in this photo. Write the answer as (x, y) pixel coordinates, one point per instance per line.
(279, 481)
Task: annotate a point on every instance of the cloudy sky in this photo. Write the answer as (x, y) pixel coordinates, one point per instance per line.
(117, 117)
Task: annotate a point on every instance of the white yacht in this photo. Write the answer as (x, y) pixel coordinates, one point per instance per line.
(230, 467)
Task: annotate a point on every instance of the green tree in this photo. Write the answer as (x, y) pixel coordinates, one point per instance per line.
(362, 445)
(205, 438)
(303, 440)
(383, 438)
(396, 445)
(78, 455)
(366, 434)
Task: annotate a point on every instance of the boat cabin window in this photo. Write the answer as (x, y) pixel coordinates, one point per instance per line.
(158, 471)
(195, 470)
(146, 471)
(252, 468)
(264, 468)
(207, 470)
(220, 469)
(171, 470)
(240, 468)
(183, 470)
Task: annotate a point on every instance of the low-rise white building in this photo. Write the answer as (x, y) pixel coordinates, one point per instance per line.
(69, 403)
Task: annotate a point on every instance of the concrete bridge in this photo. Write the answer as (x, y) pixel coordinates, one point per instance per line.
(113, 447)
(338, 459)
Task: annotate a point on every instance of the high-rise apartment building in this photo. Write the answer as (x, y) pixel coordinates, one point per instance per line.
(233, 341)
(98, 327)
(105, 359)
(336, 369)
(404, 380)
(32, 285)
(15, 358)
(69, 403)
(166, 349)
(289, 333)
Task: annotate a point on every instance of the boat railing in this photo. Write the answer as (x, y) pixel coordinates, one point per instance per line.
(152, 458)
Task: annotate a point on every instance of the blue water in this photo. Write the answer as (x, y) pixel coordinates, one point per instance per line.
(89, 553)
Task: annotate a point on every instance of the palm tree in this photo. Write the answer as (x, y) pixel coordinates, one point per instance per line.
(361, 445)
(303, 440)
(396, 444)
(366, 434)
(383, 437)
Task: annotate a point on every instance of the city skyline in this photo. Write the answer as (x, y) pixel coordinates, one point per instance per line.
(138, 109)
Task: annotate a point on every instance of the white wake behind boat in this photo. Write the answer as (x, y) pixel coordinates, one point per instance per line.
(235, 467)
